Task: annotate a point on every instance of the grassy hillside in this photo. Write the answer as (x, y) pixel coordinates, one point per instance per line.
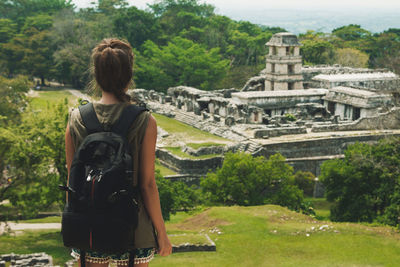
(274, 236)
(254, 236)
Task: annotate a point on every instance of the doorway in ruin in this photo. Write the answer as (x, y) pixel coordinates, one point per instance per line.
(356, 113)
(331, 108)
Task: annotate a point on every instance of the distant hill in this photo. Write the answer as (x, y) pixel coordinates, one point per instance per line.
(325, 20)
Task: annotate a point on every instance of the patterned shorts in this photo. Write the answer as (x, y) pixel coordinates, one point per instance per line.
(142, 255)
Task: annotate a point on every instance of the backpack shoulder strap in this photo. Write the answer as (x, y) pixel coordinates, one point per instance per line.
(128, 116)
(90, 119)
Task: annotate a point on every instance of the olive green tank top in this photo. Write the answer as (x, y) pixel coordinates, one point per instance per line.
(108, 114)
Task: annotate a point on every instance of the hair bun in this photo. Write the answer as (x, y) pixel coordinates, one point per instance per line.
(113, 63)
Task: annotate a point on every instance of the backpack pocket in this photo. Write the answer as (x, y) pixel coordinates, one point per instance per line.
(112, 234)
(76, 230)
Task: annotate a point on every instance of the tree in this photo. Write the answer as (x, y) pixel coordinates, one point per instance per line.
(305, 181)
(365, 185)
(174, 6)
(385, 51)
(19, 10)
(181, 62)
(316, 48)
(36, 160)
(12, 102)
(244, 180)
(7, 30)
(136, 26)
(12, 99)
(175, 196)
(351, 32)
(351, 57)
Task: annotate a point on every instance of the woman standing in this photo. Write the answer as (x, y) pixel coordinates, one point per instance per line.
(113, 63)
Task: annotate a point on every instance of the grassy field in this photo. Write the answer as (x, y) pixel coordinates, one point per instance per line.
(253, 236)
(185, 132)
(43, 98)
(163, 170)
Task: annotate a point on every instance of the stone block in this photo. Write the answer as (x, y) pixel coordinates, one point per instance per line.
(168, 99)
(205, 115)
(2, 264)
(229, 121)
(217, 118)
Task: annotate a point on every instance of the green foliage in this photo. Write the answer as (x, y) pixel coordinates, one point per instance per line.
(165, 192)
(36, 160)
(7, 30)
(351, 57)
(290, 117)
(316, 49)
(181, 62)
(12, 98)
(175, 196)
(351, 32)
(365, 185)
(244, 180)
(135, 25)
(305, 181)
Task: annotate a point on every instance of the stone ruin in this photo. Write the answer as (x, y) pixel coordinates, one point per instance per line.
(287, 98)
(26, 260)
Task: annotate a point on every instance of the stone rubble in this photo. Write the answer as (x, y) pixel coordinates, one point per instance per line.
(27, 260)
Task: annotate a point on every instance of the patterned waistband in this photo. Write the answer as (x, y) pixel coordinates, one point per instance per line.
(109, 259)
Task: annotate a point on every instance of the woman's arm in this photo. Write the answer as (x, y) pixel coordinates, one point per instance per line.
(69, 150)
(149, 189)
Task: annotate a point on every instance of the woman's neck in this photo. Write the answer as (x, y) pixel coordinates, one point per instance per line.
(108, 98)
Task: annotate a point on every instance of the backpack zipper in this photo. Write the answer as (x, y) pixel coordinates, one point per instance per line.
(92, 198)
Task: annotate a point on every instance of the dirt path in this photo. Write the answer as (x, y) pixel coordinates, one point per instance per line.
(79, 94)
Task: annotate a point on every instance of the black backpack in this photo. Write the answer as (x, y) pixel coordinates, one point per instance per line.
(102, 212)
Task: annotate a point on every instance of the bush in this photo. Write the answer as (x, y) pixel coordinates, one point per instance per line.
(305, 181)
(290, 117)
(365, 185)
(175, 196)
(245, 180)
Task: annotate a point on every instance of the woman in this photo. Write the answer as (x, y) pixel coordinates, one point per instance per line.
(113, 63)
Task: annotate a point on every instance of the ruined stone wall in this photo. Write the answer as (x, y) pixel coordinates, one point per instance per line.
(191, 166)
(273, 132)
(388, 120)
(318, 147)
(311, 164)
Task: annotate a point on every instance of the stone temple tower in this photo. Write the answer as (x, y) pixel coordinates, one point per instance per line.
(283, 63)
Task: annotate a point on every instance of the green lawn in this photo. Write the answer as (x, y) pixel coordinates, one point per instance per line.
(163, 170)
(52, 97)
(186, 132)
(253, 236)
(178, 151)
(50, 219)
(48, 241)
(273, 236)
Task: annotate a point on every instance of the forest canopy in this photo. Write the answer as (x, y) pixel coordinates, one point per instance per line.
(176, 42)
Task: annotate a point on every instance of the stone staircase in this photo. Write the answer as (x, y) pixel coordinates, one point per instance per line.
(253, 147)
(187, 117)
(249, 147)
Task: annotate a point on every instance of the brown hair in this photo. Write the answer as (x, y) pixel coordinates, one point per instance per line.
(113, 66)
